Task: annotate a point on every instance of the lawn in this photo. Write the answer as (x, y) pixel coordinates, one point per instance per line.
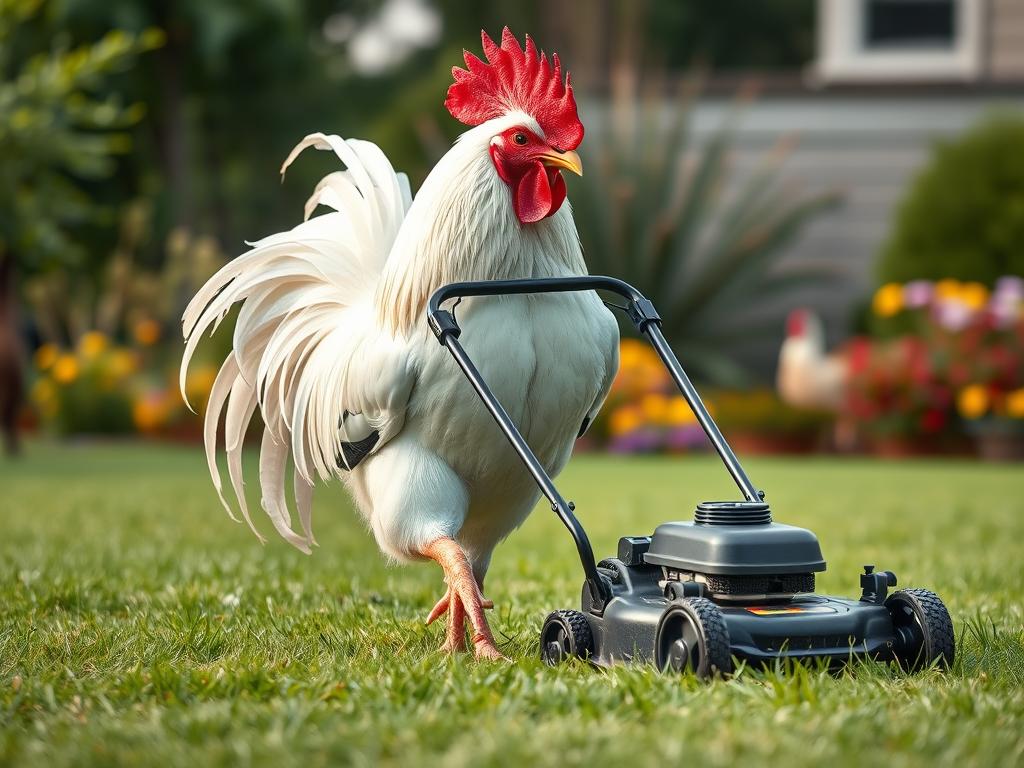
(139, 625)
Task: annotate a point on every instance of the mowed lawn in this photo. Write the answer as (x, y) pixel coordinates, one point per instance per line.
(139, 625)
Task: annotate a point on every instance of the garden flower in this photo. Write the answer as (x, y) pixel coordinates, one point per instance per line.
(147, 332)
(973, 401)
(92, 344)
(199, 382)
(625, 419)
(1010, 287)
(1007, 300)
(917, 294)
(974, 295)
(655, 408)
(1015, 404)
(65, 369)
(150, 412)
(46, 356)
(44, 395)
(888, 300)
(679, 412)
(953, 314)
(122, 364)
(947, 289)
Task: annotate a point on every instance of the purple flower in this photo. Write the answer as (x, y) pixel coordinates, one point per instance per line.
(1006, 301)
(686, 437)
(1009, 288)
(637, 441)
(953, 315)
(918, 293)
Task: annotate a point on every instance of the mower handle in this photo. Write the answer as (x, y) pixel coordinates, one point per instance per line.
(647, 321)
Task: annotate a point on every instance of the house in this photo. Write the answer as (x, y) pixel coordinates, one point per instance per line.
(889, 79)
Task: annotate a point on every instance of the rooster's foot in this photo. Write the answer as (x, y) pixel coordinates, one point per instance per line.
(463, 599)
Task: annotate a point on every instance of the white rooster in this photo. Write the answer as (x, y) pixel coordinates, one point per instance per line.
(331, 343)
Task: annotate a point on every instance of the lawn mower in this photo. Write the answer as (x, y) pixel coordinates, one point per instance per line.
(729, 585)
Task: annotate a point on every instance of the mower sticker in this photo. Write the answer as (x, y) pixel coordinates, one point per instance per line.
(790, 609)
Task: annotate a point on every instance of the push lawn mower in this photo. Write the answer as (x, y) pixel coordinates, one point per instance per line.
(730, 584)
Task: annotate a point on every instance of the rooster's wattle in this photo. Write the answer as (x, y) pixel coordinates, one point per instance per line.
(331, 346)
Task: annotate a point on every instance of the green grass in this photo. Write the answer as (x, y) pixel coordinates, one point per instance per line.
(139, 625)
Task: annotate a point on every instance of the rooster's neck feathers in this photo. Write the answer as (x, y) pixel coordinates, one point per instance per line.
(462, 226)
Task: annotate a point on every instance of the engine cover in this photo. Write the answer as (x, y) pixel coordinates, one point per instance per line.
(766, 549)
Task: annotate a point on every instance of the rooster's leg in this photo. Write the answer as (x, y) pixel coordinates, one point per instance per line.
(463, 599)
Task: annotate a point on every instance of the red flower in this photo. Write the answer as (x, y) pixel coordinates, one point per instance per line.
(933, 420)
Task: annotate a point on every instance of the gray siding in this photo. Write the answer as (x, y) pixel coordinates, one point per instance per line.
(869, 148)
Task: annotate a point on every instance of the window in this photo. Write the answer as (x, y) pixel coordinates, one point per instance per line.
(910, 24)
(899, 40)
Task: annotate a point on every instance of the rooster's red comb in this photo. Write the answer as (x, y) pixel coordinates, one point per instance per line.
(516, 79)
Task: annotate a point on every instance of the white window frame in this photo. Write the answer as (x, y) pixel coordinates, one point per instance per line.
(842, 55)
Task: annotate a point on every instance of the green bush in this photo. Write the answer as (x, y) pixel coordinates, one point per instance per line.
(963, 216)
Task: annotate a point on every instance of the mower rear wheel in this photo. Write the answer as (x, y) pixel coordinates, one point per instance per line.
(693, 637)
(565, 634)
(924, 631)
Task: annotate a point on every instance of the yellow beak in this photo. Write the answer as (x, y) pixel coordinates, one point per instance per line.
(568, 160)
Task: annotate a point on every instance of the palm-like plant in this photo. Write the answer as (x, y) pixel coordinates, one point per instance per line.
(651, 210)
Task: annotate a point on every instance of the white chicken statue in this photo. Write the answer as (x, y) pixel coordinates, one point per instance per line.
(332, 346)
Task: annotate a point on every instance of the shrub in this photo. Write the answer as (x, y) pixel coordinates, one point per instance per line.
(963, 216)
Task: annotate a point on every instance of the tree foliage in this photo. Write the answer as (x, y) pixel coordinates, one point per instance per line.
(60, 126)
(963, 216)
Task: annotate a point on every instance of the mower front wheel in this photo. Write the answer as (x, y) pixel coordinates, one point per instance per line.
(923, 628)
(565, 634)
(693, 637)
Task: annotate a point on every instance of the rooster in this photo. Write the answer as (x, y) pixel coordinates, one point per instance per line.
(332, 347)
(807, 376)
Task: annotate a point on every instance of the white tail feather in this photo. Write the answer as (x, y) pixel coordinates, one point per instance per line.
(305, 298)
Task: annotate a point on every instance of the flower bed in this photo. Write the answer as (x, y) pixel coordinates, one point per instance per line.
(953, 364)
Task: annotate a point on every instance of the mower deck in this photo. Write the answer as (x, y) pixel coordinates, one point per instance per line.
(804, 627)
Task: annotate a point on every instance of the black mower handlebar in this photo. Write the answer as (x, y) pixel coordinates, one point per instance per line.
(647, 321)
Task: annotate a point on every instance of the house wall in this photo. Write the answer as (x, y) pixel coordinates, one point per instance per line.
(1006, 40)
(867, 147)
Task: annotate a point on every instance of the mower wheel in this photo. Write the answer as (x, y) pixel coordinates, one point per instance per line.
(924, 631)
(565, 634)
(693, 637)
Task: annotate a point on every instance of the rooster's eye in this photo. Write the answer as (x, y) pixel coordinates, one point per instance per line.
(519, 138)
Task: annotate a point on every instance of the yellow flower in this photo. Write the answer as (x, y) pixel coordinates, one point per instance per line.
(92, 344)
(630, 353)
(43, 392)
(199, 383)
(147, 332)
(625, 419)
(654, 407)
(973, 401)
(65, 369)
(44, 395)
(948, 289)
(46, 356)
(888, 300)
(1015, 404)
(974, 295)
(123, 364)
(150, 412)
(679, 412)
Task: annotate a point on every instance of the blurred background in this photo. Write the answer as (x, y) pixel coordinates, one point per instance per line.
(824, 198)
